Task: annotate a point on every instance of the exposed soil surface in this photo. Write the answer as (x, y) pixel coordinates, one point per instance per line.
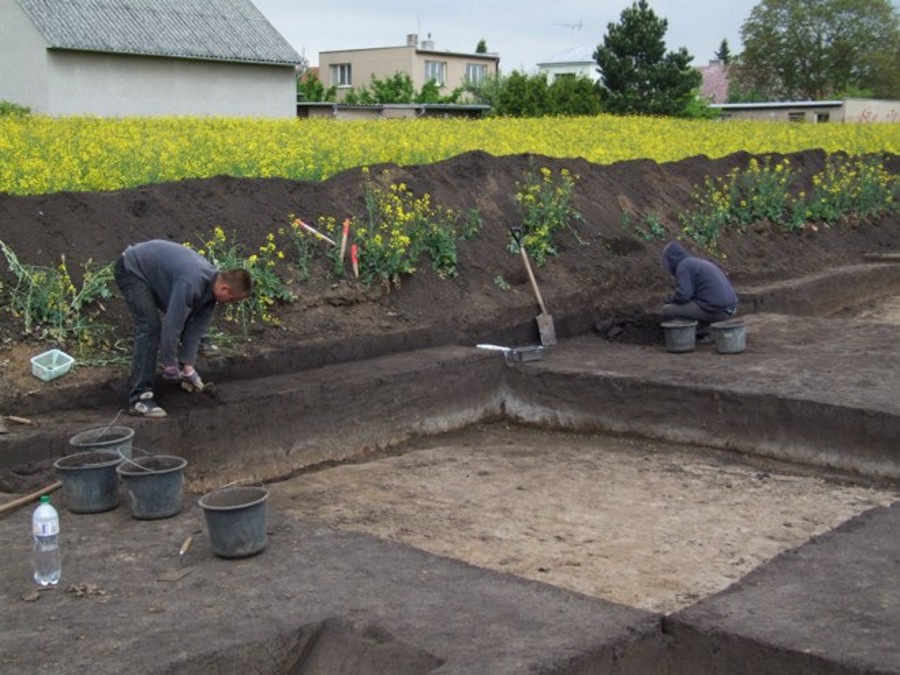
(610, 269)
(650, 525)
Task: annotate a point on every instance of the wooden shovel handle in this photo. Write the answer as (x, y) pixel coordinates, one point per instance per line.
(534, 285)
(21, 501)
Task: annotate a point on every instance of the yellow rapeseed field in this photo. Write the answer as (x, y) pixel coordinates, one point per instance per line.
(42, 155)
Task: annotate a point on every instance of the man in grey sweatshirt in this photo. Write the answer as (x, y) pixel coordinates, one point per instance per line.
(171, 292)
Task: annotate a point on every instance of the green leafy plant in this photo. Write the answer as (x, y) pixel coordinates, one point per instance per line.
(767, 192)
(848, 186)
(399, 227)
(652, 228)
(741, 197)
(305, 245)
(501, 283)
(655, 226)
(545, 201)
(269, 288)
(10, 109)
(52, 307)
(763, 192)
(713, 213)
(473, 224)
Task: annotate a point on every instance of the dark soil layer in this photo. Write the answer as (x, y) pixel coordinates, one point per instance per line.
(608, 276)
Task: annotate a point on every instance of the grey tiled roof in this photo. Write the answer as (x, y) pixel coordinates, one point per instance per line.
(229, 30)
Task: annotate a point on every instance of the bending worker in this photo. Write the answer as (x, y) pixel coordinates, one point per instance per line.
(702, 291)
(171, 292)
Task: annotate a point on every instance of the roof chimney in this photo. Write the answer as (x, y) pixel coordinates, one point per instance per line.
(412, 39)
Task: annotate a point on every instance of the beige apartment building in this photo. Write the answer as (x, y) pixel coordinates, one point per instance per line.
(354, 68)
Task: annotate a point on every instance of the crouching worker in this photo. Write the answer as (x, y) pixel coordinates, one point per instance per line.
(171, 292)
(702, 291)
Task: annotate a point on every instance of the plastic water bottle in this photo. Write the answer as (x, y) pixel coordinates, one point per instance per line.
(47, 557)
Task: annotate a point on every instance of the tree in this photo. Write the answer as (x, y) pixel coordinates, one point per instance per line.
(816, 49)
(481, 47)
(724, 53)
(431, 93)
(569, 95)
(486, 90)
(398, 88)
(310, 88)
(637, 75)
(523, 96)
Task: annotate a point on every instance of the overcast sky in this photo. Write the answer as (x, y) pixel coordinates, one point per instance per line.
(535, 31)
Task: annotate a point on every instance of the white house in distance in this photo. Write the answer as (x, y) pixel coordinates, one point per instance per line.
(575, 62)
(145, 57)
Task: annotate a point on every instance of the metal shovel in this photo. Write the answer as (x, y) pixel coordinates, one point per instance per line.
(546, 329)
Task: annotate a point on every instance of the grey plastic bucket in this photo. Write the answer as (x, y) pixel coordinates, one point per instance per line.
(730, 335)
(115, 439)
(153, 486)
(680, 334)
(236, 520)
(90, 482)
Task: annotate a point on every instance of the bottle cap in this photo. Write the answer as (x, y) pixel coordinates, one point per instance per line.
(45, 499)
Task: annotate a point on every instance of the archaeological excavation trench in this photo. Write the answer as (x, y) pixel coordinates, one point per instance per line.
(612, 507)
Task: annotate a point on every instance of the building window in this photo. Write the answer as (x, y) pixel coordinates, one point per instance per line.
(437, 71)
(796, 117)
(822, 117)
(340, 75)
(475, 72)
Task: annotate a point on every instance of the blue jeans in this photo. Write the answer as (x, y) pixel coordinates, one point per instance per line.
(142, 303)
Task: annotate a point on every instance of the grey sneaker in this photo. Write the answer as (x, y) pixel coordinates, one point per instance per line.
(146, 406)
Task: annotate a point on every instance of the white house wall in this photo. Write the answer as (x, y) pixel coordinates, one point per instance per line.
(86, 83)
(871, 110)
(588, 70)
(23, 60)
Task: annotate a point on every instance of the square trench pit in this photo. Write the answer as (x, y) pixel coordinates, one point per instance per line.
(429, 510)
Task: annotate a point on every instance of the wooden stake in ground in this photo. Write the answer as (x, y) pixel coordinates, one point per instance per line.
(344, 238)
(21, 501)
(355, 260)
(315, 232)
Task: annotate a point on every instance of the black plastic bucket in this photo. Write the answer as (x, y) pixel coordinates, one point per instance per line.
(114, 439)
(90, 482)
(154, 486)
(236, 520)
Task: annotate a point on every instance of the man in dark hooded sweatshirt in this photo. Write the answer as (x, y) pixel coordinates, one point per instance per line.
(702, 291)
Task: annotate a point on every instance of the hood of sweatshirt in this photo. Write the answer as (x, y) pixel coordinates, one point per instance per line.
(672, 254)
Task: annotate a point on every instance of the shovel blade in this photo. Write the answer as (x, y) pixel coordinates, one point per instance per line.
(546, 329)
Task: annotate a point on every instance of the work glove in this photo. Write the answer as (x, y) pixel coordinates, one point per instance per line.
(171, 373)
